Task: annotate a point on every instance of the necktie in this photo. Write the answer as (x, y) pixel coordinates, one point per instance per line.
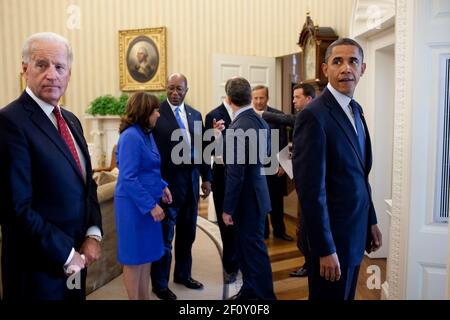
(181, 123)
(359, 129)
(65, 135)
(185, 132)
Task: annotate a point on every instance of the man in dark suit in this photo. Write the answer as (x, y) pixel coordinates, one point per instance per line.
(51, 222)
(303, 93)
(229, 255)
(247, 200)
(332, 160)
(276, 182)
(181, 166)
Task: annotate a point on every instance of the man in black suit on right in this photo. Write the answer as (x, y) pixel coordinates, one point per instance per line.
(332, 160)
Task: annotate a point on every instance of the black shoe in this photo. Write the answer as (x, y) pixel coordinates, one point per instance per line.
(165, 294)
(229, 278)
(189, 283)
(284, 237)
(302, 272)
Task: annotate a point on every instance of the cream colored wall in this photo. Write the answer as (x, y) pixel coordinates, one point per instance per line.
(196, 29)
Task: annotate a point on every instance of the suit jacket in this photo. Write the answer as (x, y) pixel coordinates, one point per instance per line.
(179, 176)
(49, 206)
(279, 118)
(277, 184)
(331, 179)
(245, 186)
(218, 170)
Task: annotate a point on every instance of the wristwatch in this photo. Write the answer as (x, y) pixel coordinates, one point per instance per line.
(95, 237)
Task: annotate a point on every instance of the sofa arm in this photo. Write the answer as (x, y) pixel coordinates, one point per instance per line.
(107, 267)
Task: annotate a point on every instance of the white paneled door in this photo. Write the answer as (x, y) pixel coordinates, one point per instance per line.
(257, 70)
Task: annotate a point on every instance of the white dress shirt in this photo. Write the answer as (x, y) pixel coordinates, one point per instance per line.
(344, 102)
(229, 110)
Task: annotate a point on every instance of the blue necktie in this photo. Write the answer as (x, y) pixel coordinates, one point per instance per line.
(359, 129)
(185, 132)
(181, 124)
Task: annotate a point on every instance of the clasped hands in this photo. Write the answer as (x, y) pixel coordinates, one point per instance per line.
(90, 252)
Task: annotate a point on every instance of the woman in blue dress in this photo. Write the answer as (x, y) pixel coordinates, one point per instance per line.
(138, 193)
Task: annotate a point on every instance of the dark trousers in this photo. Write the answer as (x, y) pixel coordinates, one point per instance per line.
(38, 285)
(229, 255)
(253, 258)
(276, 191)
(302, 241)
(321, 289)
(185, 219)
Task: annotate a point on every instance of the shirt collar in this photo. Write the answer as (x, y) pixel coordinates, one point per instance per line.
(46, 107)
(342, 99)
(238, 112)
(174, 107)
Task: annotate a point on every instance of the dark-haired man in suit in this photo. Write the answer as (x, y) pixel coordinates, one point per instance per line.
(332, 160)
(247, 199)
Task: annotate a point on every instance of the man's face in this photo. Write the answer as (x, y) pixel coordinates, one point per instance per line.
(140, 56)
(176, 90)
(259, 99)
(300, 100)
(48, 72)
(344, 68)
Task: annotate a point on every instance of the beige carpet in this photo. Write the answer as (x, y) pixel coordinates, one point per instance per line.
(207, 268)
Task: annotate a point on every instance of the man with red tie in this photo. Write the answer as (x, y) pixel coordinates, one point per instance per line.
(51, 221)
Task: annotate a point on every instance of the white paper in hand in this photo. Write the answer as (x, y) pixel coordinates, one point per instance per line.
(285, 161)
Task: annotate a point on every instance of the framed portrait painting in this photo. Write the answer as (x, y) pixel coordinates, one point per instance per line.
(142, 59)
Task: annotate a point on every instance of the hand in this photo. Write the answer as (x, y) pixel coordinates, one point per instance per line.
(92, 250)
(157, 213)
(330, 268)
(218, 124)
(280, 172)
(75, 265)
(206, 189)
(227, 219)
(376, 242)
(167, 196)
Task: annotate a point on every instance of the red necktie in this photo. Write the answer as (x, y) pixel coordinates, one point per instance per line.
(65, 135)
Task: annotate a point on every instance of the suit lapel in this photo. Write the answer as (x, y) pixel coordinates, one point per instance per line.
(78, 138)
(344, 123)
(167, 114)
(368, 145)
(43, 123)
(190, 120)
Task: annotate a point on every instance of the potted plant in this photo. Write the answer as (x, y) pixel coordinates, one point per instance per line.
(109, 105)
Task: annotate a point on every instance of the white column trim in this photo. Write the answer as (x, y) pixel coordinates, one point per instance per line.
(398, 251)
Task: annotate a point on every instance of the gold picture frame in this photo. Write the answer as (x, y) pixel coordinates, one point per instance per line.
(142, 59)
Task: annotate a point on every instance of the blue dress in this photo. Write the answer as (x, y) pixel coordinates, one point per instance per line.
(139, 189)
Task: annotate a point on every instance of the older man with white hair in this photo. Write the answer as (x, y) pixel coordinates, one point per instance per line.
(51, 221)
